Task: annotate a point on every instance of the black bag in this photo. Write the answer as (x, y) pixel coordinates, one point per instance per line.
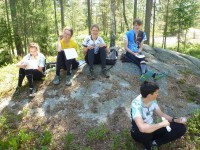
(124, 58)
(111, 58)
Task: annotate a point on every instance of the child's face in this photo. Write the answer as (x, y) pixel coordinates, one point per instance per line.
(154, 95)
(33, 51)
(66, 34)
(137, 27)
(95, 31)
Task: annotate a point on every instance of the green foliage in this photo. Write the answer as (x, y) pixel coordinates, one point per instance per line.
(24, 139)
(68, 141)
(79, 39)
(194, 128)
(13, 138)
(4, 32)
(46, 138)
(183, 15)
(5, 58)
(122, 140)
(98, 133)
(190, 49)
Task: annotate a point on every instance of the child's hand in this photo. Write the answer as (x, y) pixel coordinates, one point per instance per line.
(90, 47)
(102, 45)
(181, 120)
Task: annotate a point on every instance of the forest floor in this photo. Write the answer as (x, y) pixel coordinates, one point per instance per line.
(89, 115)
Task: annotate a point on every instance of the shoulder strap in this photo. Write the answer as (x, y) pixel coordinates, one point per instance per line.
(140, 34)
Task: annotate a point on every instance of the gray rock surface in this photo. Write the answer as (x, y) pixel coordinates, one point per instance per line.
(89, 102)
(171, 62)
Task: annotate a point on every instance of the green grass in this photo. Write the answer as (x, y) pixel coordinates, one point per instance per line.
(25, 139)
(13, 137)
(98, 133)
(68, 141)
(122, 140)
(8, 79)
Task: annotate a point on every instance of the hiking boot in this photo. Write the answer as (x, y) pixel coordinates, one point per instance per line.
(158, 76)
(146, 76)
(91, 74)
(56, 80)
(17, 91)
(105, 73)
(31, 92)
(68, 81)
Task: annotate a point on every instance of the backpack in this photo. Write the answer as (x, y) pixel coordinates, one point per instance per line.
(111, 58)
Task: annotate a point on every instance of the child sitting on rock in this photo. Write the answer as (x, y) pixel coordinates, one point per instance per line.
(133, 42)
(31, 66)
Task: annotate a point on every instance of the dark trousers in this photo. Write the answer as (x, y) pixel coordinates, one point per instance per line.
(99, 58)
(63, 63)
(161, 136)
(31, 74)
(143, 67)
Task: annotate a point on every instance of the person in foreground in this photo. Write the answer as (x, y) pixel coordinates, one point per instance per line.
(95, 51)
(65, 42)
(31, 66)
(133, 43)
(144, 129)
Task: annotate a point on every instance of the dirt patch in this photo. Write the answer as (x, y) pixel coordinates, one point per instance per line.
(119, 120)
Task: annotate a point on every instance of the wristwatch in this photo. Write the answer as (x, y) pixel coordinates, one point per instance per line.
(174, 118)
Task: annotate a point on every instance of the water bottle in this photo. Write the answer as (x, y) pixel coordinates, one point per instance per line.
(167, 127)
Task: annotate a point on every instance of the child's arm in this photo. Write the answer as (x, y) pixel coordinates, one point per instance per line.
(21, 64)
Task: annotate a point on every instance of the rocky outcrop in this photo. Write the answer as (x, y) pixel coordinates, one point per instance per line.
(171, 62)
(87, 103)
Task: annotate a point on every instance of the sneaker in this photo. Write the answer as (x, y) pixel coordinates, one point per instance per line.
(68, 81)
(56, 80)
(91, 74)
(146, 76)
(105, 73)
(159, 76)
(17, 91)
(31, 92)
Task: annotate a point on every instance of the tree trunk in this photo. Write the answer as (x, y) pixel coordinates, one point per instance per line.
(10, 40)
(89, 16)
(135, 9)
(62, 14)
(154, 20)
(55, 17)
(124, 14)
(18, 41)
(25, 27)
(185, 38)
(32, 31)
(104, 22)
(179, 31)
(148, 19)
(179, 35)
(166, 25)
(112, 23)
